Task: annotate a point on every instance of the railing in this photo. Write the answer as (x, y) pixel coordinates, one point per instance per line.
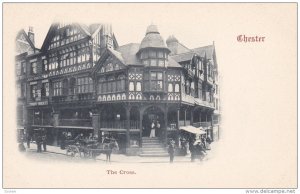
(204, 103)
(76, 122)
(187, 98)
(202, 124)
(120, 124)
(41, 122)
(72, 98)
(187, 122)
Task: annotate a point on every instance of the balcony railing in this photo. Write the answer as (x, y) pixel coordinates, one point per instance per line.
(120, 124)
(203, 103)
(72, 98)
(76, 122)
(41, 122)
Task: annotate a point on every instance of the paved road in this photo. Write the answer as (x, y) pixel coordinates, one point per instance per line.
(55, 154)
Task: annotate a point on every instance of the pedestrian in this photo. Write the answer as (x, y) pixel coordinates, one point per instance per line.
(208, 142)
(200, 150)
(171, 150)
(79, 137)
(203, 141)
(39, 142)
(28, 139)
(44, 140)
(152, 133)
(22, 147)
(63, 141)
(158, 128)
(192, 149)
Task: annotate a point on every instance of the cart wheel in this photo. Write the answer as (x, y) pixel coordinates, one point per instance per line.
(69, 151)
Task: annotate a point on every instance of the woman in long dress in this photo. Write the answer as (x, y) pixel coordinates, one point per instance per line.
(152, 133)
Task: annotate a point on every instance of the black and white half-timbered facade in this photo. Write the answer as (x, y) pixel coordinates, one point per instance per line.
(82, 81)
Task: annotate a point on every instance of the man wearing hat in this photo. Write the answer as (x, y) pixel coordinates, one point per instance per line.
(171, 150)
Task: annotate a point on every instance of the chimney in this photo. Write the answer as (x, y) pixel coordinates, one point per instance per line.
(31, 34)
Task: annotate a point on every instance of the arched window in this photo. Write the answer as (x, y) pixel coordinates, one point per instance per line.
(131, 86)
(170, 87)
(102, 70)
(131, 97)
(117, 67)
(139, 97)
(138, 86)
(176, 87)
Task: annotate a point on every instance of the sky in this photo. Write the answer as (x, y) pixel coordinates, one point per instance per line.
(123, 38)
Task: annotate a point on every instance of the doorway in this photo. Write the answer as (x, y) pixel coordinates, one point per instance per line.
(155, 115)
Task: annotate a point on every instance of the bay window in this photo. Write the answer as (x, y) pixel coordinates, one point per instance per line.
(84, 85)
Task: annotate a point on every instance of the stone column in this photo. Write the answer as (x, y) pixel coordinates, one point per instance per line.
(177, 130)
(127, 126)
(96, 123)
(192, 116)
(141, 128)
(55, 124)
(166, 124)
(55, 119)
(185, 117)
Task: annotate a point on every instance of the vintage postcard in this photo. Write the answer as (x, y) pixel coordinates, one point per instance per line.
(149, 95)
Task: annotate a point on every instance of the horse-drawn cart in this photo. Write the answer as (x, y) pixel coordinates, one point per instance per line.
(90, 148)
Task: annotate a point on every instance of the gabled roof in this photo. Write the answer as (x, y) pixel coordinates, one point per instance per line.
(87, 30)
(128, 52)
(207, 51)
(204, 52)
(24, 46)
(183, 56)
(108, 52)
(173, 63)
(117, 54)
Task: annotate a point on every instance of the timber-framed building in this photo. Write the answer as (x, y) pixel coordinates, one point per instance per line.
(82, 81)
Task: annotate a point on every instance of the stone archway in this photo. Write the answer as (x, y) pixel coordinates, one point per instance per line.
(153, 114)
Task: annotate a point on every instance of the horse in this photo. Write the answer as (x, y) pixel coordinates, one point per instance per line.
(104, 148)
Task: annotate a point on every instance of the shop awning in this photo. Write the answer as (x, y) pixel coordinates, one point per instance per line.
(192, 129)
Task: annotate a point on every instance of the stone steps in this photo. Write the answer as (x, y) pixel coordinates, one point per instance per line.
(152, 147)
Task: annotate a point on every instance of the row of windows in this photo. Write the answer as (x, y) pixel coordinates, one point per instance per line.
(173, 87)
(110, 67)
(155, 62)
(66, 36)
(153, 54)
(111, 86)
(66, 59)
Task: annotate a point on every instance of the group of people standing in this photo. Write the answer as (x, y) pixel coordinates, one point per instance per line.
(197, 147)
(40, 138)
(155, 127)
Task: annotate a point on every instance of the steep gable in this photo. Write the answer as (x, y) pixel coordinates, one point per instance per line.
(111, 60)
(23, 43)
(59, 35)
